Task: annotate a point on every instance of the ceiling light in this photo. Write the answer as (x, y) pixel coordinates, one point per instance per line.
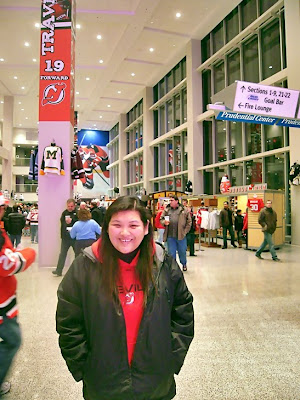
(174, 45)
(26, 44)
(99, 37)
(2, 101)
(132, 74)
(20, 124)
(34, 59)
(108, 105)
(87, 78)
(101, 61)
(22, 109)
(100, 116)
(2, 59)
(78, 105)
(15, 77)
(78, 26)
(151, 49)
(26, 117)
(151, 22)
(20, 102)
(77, 92)
(37, 25)
(22, 87)
(119, 92)
(95, 125)
(178, 15)
(19, 145)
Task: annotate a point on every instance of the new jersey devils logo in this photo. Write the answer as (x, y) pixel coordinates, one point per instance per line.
(54, 93)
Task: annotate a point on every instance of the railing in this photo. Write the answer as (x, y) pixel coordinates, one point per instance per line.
(26, 187)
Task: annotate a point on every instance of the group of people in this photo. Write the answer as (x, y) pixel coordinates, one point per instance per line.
(124, 316)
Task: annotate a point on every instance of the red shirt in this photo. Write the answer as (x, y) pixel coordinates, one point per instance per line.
(255, 205)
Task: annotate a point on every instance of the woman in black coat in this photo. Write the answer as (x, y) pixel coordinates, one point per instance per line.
(125, 315)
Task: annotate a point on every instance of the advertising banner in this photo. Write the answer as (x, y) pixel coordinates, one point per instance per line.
(57, 57)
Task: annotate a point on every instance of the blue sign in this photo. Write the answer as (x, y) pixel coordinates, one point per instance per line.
(87, 137)
(257, 119)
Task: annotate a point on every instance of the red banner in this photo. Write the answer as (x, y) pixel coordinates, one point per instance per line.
(57, 61)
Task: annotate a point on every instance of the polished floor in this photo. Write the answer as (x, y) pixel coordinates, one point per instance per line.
(247, 339)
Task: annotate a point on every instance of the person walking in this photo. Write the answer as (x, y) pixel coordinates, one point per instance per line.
(11, 263)
(238, 226)
(268, 220)
(177, 221)
(33, 220)
(15, 224)
(67, 220)
(97, 212)
(125, 316)
(84, 231)
(160, 228)
(226, 223)
(190, 237)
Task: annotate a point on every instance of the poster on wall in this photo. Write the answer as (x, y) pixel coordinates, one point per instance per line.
(92, 147)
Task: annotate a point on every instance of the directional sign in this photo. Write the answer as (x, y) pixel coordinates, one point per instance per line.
(256, 119)
(265, 100)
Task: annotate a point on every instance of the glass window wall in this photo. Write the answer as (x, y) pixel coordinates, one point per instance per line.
(236, 174)
(270, 45)
(184, 105)
(236, 139)
(253, 135)
(232, 25)
(250, 60)
(205, 48)
(275, 172)
(218, 37)
(249, 12)
(162, 114)
(254, 171)
(221, 140)
(170, 122)
(265, 5)
(274, 135)
(177, 110)
(219, 77)
(207, 145)
(233, 67)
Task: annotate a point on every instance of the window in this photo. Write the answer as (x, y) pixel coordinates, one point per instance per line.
(273, 137)
(155, 123)
(207, 143)
(208, 182)
(219, 77)
(221, 140)
(170, 157)
(177, 110)
(162, 114)
(232, 25)
(250, 65)
(236, 174)
(155, 94)
(177, 155)
(162, 88)
(283, 40)
(236, 139)
(218, 38)
(233, 67)
(265, 5)
(206, 88)
(253, 135)
(162, 159)
(170, 122)
(275, 171)
(254, 171)
(155, 161)
(220, 172)
(140, 135)
(270, 45)
(177, 73)
(183, 64)
(205, 48)
(185, 154)
(249, 12)
(170, 83)
(184, 105)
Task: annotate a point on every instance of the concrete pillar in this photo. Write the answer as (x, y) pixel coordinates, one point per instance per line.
(194, 108)
(122, 153)
(292, 26)
(148, 156)
(7, 142)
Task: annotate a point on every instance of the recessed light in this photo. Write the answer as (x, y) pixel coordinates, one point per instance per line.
(26, 44)
(151, 49)
(178, 15)
(15, 77)
(78, 26)
(20, 124)
(78, 105)
(34, 59)
(132, 74)
(20, 102)
(174, 45)
(2, 59)
(87, 78)
(95, 125)
(37, 25)
(99, 37)
(22, 109)
(77, 92)
(108, 105)
(151, 22)
(101, 61)
(119, 92)
(100, 116)
(2, 102)
(26, 117)
(22, 87)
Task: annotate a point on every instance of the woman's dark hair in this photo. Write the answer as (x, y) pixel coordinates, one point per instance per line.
(84, 215)
(109, 255)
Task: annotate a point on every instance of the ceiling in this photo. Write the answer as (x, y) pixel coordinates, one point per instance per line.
(129, 28)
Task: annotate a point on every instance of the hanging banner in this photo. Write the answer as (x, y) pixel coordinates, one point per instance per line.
(57, 61)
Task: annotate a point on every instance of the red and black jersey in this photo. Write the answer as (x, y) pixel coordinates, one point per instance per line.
(255, 205)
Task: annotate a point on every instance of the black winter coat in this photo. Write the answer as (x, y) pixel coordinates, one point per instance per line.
(15, 223)
(98, 214)
(64, 233)
(93, 334)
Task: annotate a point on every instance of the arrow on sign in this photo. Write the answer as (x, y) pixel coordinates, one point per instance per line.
(241, 105)
(243, 88)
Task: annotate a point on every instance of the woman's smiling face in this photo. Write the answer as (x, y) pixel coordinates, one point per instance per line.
(126, 231)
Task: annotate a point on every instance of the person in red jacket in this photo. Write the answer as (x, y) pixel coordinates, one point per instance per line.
(125, 316)
(11, 263)
(160, 228)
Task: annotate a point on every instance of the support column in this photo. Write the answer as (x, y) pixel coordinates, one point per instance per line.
(194, 107)
(7, 142)
(122, 153)
(148, 157)
(56, 120)
(292, 26)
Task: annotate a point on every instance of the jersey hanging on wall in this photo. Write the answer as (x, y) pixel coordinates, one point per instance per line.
(52, 162)
(255, 205)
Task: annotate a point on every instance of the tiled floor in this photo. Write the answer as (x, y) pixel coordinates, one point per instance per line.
(247, 339)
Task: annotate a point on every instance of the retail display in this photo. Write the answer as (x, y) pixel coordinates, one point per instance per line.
(77, 170)
(33, 166)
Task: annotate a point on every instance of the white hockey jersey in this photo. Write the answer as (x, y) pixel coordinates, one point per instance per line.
(52, 161)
